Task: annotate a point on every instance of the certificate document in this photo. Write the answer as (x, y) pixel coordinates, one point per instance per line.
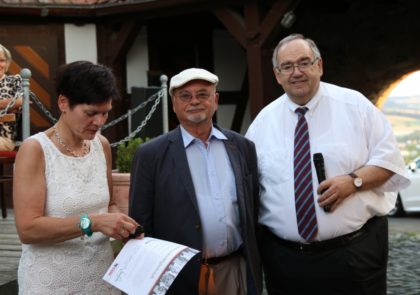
(148, 266)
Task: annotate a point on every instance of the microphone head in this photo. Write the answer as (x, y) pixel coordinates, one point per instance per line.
(318, 157)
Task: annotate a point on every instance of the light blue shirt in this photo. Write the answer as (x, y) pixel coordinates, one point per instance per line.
(215, 189)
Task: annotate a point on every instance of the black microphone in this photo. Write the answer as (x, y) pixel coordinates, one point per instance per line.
(320, 173)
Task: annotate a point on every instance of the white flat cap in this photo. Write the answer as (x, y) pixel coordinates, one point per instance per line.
(191, 74)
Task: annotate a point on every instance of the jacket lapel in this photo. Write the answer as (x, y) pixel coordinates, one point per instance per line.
(179, 157)
(235, 160)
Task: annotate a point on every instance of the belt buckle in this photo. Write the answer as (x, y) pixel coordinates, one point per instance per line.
(304, 249)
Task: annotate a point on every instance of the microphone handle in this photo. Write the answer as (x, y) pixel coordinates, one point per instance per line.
(320, 173)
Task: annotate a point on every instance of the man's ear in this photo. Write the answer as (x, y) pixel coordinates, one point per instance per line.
(321, 66)
(173, 105)
(216, 97)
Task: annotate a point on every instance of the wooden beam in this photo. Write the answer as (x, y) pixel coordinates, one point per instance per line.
(256, 77)
(108, 36)
(270, 25)
(254, 35)
(232, 23)
(239, 99)
(250, 28)
(125, 39)
(252, 21)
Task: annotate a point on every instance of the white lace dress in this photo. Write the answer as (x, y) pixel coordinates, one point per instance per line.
(74, 186)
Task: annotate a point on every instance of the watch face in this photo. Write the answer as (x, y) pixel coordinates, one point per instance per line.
(84, 223)
(358, 182)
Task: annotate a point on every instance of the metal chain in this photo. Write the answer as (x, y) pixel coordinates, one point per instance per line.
(158, 95)
(140, 127)
(43, 108)
(10, 105)
(125, 116)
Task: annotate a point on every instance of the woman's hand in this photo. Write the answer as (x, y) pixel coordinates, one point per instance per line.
(15, 108)
(115, 225)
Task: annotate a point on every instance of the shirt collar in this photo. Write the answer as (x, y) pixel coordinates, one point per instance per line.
(188, 139)
(311, 105)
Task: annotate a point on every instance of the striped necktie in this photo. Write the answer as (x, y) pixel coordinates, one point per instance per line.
(304, 196)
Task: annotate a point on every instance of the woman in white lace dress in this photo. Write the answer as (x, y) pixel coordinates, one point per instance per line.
(62, 191)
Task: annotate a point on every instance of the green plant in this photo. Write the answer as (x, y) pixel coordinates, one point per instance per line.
(125, 153)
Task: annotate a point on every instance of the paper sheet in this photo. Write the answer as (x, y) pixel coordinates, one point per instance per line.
(148, 266)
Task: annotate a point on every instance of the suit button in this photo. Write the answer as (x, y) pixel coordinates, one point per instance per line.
(197, 227)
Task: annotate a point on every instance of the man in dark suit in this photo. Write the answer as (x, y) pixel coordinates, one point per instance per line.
(198, 186)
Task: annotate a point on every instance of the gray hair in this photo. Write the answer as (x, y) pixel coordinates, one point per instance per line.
(311, 43)
(6, 53)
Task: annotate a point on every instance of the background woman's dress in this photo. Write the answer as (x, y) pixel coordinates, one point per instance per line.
(9, 86)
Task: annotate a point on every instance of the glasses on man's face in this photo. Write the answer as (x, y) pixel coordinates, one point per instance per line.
(302, 65)
(187, 97)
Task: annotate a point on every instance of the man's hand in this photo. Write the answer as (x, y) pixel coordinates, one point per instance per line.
(340, 187)
(335, 190)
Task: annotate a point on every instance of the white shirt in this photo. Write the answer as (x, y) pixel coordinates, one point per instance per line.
(350, 132)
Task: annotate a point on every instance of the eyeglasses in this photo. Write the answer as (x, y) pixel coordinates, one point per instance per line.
(187, 97)
(303, 65)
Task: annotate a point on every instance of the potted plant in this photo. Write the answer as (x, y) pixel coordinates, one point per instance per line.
(121, 177)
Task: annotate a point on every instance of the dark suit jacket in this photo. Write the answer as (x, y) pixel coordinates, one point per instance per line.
(163, 200)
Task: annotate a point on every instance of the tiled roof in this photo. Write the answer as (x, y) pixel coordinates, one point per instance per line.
(90, 8)
(63, 2)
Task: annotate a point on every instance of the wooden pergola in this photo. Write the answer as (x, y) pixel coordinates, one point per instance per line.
(253, 24)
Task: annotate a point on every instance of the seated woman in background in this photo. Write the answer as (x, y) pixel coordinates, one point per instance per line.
(10, 85)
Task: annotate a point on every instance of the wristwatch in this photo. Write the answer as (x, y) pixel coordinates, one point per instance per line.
(357, 181)
(85, 224)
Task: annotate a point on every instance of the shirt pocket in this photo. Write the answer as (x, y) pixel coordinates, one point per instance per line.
(274, 166)
(338, 159)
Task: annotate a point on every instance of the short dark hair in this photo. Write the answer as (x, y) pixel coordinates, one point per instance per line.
(84, 82)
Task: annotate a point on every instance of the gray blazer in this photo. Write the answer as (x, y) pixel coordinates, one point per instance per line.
(163, 200)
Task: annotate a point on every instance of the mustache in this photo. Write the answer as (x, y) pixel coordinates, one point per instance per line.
(194, 109)
(298, 80)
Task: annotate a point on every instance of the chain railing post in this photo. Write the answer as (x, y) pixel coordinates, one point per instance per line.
(26, 120)
(164, 89)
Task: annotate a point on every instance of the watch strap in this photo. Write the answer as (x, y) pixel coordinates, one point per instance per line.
(357, 181)
(86, 230)
(353, 175)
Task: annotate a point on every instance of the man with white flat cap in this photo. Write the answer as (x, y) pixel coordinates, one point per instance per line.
(198, 186)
